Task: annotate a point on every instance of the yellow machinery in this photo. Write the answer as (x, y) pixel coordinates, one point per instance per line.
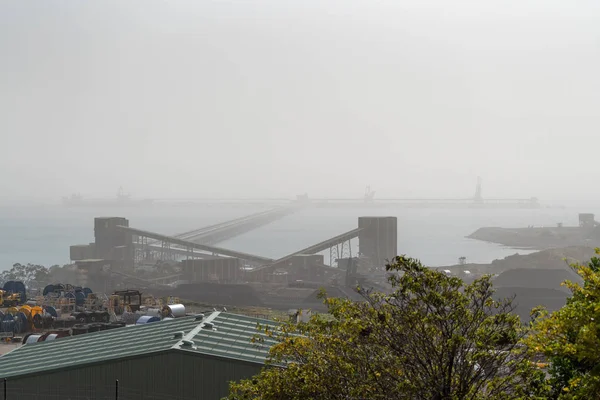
(8, 299)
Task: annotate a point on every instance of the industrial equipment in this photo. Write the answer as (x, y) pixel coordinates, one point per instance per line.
(126, 300)
(8, 299)
(12, 294)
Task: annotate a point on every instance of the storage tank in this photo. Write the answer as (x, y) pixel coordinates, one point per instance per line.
(174, 310)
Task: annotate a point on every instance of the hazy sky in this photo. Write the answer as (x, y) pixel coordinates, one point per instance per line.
(208, 98)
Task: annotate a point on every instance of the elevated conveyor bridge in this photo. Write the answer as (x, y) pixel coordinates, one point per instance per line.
(193, 250)
(194, 246)
(216, 233)
(314, 249)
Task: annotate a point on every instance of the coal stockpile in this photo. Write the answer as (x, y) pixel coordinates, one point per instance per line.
(215, 293)
(535, 287)
(525, 299)
(536, 278)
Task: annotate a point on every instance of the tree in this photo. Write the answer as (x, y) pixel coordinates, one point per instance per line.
(432, 338)
(570, 338)
(31, 275)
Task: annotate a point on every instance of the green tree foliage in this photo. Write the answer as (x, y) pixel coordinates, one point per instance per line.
(31, 275)
(432, 338)
(570, 338)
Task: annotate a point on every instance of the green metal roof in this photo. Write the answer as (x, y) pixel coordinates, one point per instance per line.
(230, 337)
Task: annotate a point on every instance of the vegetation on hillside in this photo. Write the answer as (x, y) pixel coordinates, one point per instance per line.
(570, 338)
(432, 338)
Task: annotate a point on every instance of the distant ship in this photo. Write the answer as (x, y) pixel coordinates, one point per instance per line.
(122, 200)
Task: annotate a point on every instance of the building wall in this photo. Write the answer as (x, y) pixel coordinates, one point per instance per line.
(163, 376)
(107, 237)
(223, 269)
(378, 241)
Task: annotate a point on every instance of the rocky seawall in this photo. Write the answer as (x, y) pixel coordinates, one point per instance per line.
(538, 238)
(556, 258)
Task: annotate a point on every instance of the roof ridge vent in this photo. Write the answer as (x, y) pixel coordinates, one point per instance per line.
(178, 335)
(187, 343)
(208, 325)
(199, 317)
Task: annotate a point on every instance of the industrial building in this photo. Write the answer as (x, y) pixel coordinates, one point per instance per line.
(212, 269)
(185, 358)
(190, 266)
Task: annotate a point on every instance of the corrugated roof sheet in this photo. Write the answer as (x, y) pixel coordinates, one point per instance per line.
(230, 338)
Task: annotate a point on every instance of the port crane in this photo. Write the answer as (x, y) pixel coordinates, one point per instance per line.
(369, 194)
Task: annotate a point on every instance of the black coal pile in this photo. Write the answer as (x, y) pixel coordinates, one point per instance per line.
(216, 293)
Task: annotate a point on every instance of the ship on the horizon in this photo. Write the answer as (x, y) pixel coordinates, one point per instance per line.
(122, 200)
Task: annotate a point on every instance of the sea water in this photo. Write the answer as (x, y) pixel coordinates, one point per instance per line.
(43, 234)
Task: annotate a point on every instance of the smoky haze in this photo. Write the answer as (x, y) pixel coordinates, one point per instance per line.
(276, 98)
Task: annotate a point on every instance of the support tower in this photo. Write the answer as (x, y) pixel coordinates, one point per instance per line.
(378, 239)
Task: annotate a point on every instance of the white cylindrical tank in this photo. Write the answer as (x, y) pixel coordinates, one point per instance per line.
(177, 310)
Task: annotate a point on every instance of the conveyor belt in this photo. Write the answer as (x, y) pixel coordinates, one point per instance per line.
(316, 248)
(192, 245)
(215, 233)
